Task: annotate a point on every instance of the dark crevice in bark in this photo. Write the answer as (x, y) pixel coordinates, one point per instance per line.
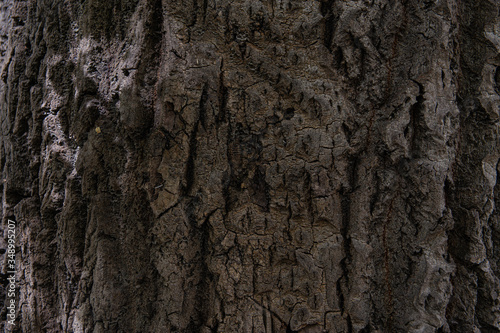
(348, 133)
(260, 189)
(326, 9)
(375, 197)
(204, 10)
(309, 197)
(415, 130)
(338, 60)
(349, 324)
(194, 14)
(340, 293)
(200, 233)
(353, 172)
(193, 140)
(346, 208)
(154, 33)
(203, 107)
(226, 193)
(222, 95)
(190, 174)
(13, 196)
(497, 80)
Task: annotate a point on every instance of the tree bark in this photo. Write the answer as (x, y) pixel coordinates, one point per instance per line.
(251, 166)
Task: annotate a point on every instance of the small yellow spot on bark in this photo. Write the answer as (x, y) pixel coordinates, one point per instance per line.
(98, 130)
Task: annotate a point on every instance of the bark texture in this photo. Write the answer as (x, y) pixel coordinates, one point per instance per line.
(252, 165)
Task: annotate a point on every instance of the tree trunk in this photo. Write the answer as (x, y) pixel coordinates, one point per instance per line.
(251, 166)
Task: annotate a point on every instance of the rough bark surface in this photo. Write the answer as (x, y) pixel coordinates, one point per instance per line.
(252, 166)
